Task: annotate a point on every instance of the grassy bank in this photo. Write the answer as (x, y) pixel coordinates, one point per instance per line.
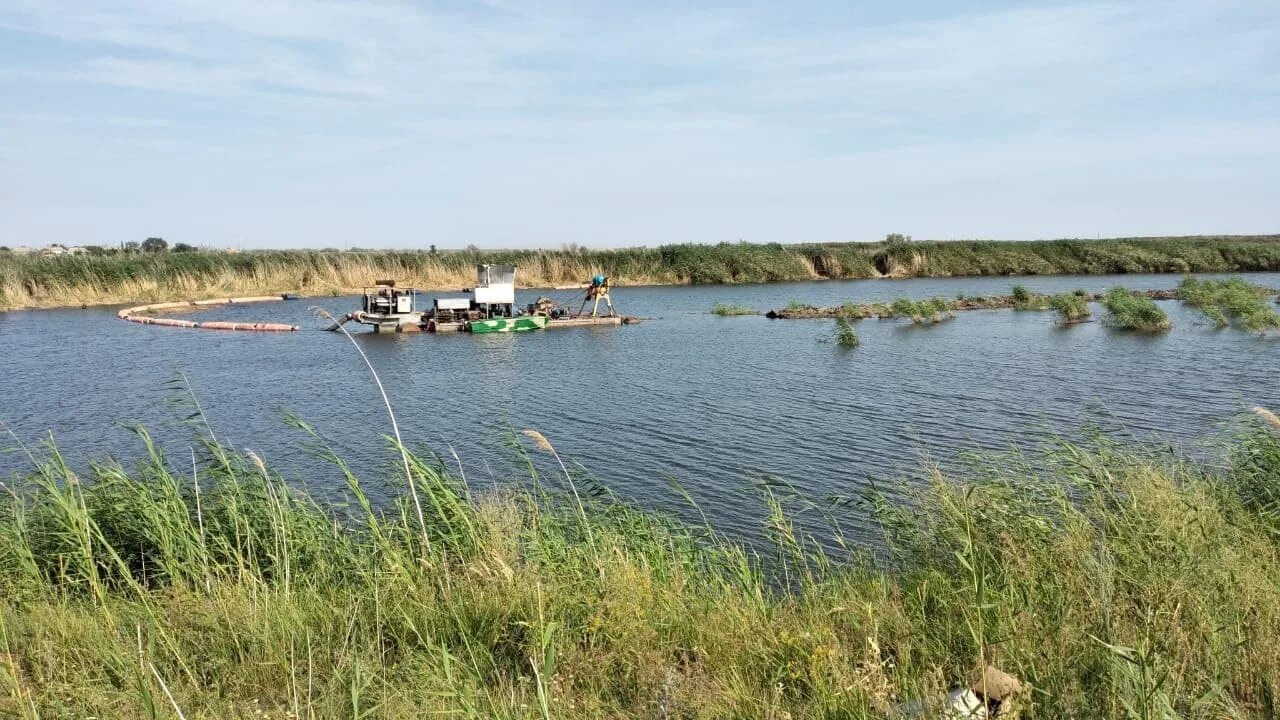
(27, 281)
(1114, 581)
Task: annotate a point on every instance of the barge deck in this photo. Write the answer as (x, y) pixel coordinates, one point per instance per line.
(450, 327)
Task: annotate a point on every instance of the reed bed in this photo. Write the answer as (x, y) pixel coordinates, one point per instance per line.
(1114, 581)
(32, 281)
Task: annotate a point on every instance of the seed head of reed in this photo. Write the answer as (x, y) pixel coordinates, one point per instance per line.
(1267, 416)
(257, 461)
(539, 439)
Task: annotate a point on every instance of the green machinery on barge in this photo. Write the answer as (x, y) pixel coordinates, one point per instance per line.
(489, 307)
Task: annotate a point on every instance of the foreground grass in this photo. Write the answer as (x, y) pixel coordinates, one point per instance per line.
(1117, 583)
(27, 281)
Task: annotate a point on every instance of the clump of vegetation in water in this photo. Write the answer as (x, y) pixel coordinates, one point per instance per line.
(1134, 312)
(845, 335)
(1228, 301)
(1024, 299)
(851, 309)
(728, 310)
(797, 305)
(1120, 579)
(933, 310)
(1071, 307)
(880, 310)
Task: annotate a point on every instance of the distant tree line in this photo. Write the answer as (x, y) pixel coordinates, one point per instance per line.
(152, 245)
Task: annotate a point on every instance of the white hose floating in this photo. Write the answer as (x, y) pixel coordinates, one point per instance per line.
(131, 314)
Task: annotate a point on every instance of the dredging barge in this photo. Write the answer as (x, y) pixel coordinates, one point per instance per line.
(489, 307)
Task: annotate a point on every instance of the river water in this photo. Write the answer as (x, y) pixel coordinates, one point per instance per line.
(714, 402)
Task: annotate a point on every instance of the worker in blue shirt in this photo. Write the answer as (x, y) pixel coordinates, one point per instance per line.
(598, 290)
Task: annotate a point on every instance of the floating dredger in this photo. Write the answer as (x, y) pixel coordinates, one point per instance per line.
(489, 307)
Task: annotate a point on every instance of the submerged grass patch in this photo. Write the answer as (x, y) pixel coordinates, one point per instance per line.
(1231, 301)
(846, 337)
(933, 310)
(1112, 581)
(1134, 312)
(725, 309)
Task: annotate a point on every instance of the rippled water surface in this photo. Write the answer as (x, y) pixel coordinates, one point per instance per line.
(714, 402)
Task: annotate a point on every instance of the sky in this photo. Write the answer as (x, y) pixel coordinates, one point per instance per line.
(504, 123)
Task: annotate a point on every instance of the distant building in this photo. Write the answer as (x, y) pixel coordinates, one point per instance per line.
(23, 250)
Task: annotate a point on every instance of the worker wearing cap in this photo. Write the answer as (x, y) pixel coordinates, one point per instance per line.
(598, 290)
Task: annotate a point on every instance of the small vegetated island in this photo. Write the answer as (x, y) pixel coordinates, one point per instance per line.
(1232, 302)
(29, 280)
(1071, 307)
(1133, 312)
(1228, 303)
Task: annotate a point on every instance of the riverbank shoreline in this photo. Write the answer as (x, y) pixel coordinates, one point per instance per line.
(199, 302)
(83, 281)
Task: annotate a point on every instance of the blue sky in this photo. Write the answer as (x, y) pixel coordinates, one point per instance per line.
(257, 123)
